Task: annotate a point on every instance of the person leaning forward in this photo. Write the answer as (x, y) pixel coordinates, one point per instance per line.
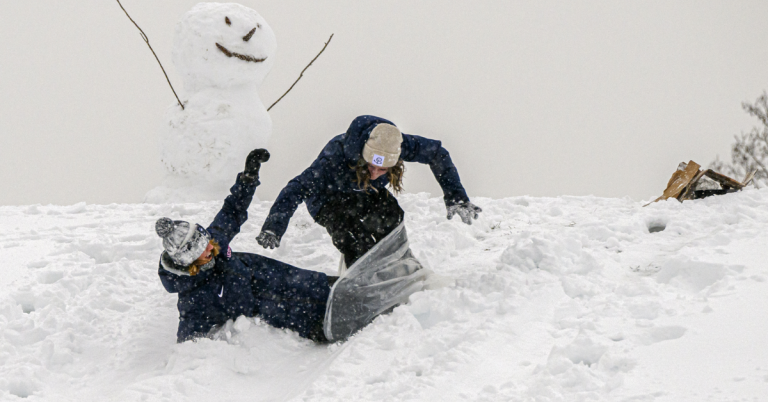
(345, 187)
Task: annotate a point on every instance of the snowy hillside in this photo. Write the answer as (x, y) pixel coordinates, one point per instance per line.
(544, 299)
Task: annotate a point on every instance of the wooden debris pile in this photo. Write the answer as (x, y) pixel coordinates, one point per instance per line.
(684, 182)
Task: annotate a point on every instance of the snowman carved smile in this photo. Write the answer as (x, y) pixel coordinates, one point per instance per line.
(246, 38)
(245, 57)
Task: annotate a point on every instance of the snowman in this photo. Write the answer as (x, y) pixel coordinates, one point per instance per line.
(222, 51)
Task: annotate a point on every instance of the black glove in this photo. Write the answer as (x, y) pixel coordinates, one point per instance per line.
(253, 163)
(466, 210)
(268, 239)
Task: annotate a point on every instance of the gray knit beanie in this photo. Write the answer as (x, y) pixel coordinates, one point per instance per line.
(383, 146)
(183, 242)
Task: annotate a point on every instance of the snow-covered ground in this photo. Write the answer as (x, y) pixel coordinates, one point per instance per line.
(543, 299)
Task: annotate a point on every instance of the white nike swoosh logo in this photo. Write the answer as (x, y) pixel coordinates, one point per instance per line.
(222, 291)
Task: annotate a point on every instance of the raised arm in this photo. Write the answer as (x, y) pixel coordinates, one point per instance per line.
(432, 153)
(233, 214)
(176, 277)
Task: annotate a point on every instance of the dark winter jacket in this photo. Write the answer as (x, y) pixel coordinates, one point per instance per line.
(331, 173)
(245, 284)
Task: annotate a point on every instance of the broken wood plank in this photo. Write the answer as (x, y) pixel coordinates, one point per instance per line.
(679, 180)
(748, 178)
(688, 191)
(725, 181)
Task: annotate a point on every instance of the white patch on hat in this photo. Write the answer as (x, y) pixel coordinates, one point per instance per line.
(377, 160)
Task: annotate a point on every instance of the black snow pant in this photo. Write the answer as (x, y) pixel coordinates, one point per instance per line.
(357, 221)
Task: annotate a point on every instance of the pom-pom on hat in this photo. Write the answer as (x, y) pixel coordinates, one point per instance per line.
(183, 242)
(383, 146)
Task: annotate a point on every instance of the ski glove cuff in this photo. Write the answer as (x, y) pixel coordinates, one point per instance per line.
(268, 239)
(466, 210)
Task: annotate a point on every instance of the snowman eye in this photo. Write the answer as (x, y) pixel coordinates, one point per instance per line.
(258, 25)
(250, 34)
(226, 19)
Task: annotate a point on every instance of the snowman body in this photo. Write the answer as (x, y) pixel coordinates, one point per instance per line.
(222, 51)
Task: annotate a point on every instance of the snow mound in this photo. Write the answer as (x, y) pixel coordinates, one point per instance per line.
(542, 299)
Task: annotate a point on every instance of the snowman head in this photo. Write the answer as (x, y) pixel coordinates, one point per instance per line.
(222, 45)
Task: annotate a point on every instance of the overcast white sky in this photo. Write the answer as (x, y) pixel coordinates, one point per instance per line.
(544, 98)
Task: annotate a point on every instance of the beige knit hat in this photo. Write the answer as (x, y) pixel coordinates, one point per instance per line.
(383, 147)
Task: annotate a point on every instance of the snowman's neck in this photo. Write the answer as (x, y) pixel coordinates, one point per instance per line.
(248, 91)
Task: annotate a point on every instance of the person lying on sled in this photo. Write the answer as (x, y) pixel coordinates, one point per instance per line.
(215, 284)
(345, 187)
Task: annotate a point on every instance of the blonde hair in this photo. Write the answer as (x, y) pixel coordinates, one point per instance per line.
(194, 268)
(395, 175)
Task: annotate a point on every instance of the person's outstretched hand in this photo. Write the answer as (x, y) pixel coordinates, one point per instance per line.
(268, 239)
(466, 210)
(253, 163)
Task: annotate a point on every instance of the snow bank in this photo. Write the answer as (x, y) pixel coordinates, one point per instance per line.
(543, 299)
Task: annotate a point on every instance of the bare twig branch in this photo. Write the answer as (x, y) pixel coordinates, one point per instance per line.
(144, 36)
(757, 162)
(759, 109)
(302, 73)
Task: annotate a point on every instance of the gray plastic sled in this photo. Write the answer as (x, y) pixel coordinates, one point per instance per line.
(380, 280)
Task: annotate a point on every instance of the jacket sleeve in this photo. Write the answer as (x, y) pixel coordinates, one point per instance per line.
(301, 187)
(432, 153)
(234, 212)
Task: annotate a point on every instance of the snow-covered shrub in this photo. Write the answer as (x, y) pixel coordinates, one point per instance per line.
(750, 151)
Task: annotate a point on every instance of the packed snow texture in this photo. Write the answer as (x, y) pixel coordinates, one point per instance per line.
(222, 51)
(543, 299)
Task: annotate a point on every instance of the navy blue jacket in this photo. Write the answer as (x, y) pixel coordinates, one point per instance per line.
(331, 173)
(245, 284)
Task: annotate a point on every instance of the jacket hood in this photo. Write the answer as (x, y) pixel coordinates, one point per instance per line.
(358, 133)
